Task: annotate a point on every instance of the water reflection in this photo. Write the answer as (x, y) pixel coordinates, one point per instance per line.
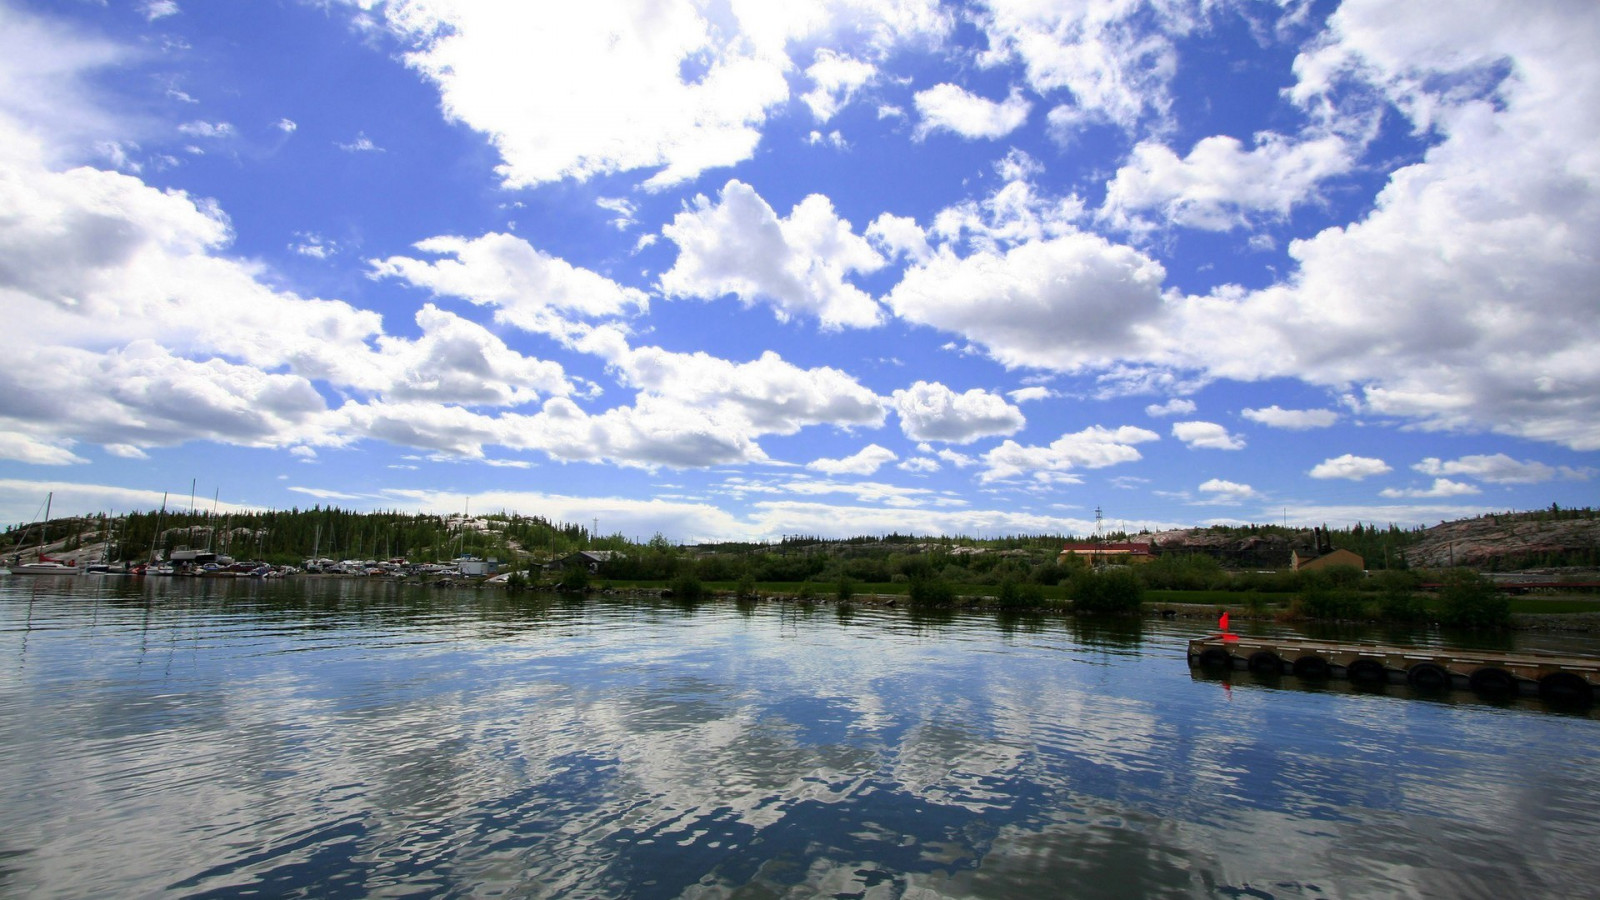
(344, 738)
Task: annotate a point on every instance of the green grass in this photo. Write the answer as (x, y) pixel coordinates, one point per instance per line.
(1218, 598)
(1555, 604)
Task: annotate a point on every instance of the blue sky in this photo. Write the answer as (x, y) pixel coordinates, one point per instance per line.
(737, 270)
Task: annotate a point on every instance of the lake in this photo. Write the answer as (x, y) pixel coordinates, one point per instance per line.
(345, 738)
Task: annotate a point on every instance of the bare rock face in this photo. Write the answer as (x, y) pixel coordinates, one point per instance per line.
(1231, 546)
(1503, 541)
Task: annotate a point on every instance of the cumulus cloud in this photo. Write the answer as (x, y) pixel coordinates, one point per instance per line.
(933, 412)
(1351, 467)
(1064, 303)
(865, 462)
(1092, 448)
(527, 287)
(202, 129)
(1217, 490)
(1206, 436)
(1177, 406)
(1292, 419)
(1441, 487)
(1220, 185)
(1103, 58)
(797, 264)
(947, 107)
(836, 77)
(685, 88)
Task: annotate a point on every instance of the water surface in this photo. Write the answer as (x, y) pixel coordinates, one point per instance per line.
(344, 738)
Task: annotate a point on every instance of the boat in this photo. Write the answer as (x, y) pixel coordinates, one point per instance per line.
(45, 565)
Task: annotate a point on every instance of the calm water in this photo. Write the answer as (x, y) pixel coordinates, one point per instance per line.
(340, 738)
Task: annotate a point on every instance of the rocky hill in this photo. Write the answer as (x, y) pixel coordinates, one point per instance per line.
(1510, 541)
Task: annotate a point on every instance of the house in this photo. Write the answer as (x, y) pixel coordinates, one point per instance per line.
(1323, 556)
(588, 559)
(1120, 553)
(1305, 561)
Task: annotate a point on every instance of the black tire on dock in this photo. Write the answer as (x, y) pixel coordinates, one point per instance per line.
(1494, 682)
(1428, 677)
(1216, 658)
(1265, 662)
(1312, 668)
(1367, 671)
(1567, 688)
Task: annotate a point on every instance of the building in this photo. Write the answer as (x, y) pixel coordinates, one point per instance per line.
(1304, 561)
(1120, 552)
(588, 559)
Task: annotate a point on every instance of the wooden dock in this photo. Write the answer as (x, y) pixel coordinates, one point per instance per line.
(1556, 677)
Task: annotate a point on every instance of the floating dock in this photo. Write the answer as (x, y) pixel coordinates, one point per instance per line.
(1556, 677)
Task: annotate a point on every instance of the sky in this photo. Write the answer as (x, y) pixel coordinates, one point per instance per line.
(736, 270)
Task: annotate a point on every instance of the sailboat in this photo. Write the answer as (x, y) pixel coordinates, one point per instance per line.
(45, 565)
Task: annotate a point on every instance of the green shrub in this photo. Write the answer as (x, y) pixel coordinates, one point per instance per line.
(928, 591)
(687, 587)
(1320, 602)
(1108, 590)
(746, 588)
(1471, 601)
(844, 590)
(1013, 594)
(575, 580)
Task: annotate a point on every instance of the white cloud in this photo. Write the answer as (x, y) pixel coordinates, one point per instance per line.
(1351, 467)
(287, 126)
(1499, 468)
(309, 243)
(1102, 54)
(126, 451)
(360, 144)
(833, 139)
(1218, 490)
(1292, 419)
(1031, 393)
(1092, 448)
(768, 394)
(1065, 303)
(869, 460)
(38, 451)
(527, 287)
(920, 465)
(1207, 436)
(1442, 487)
(933, 412)
(739, 246)
(622, 209)
(947, 107)
(837, 78)
(685, 88)
(956, 458)
(1220, 185)
(212, 130)
(1177, 406)
(157, 9)
(899, 236)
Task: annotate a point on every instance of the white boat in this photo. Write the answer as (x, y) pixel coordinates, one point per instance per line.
(45, 565)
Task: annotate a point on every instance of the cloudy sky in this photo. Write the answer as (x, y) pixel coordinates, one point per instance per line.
(740, 269)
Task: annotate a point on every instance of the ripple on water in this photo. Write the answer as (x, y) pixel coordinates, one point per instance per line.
(345, 739)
